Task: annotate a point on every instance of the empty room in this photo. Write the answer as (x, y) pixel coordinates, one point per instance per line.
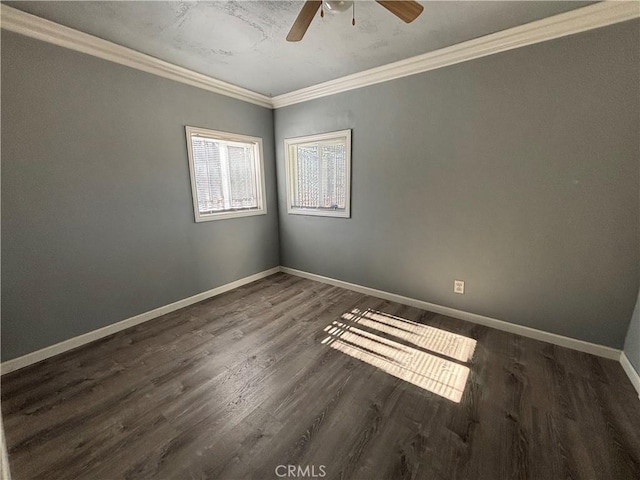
(320, 239)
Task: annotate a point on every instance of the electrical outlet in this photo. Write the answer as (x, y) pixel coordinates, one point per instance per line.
(458, 286)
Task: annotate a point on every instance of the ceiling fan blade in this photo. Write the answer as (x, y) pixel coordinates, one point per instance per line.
(303, 21)
(406, 11)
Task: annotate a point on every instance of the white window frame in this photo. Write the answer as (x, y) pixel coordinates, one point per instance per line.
(289, 144)
(259, 168)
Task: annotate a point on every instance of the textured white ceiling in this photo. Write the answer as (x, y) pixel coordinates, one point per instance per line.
(243, 42)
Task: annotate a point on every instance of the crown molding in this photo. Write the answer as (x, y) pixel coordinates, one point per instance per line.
(568, 23)
(51, 32)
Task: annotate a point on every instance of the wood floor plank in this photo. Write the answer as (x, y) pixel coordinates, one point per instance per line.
(261, 378)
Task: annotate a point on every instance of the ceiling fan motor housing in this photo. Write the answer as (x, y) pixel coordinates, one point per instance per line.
(335, 6)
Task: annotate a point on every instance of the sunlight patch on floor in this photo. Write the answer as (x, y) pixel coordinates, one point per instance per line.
(437, 340)
(430, 372)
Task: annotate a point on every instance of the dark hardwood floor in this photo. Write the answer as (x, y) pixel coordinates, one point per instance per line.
(286, 371)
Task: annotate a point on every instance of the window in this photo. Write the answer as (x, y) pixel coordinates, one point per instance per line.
(226, 174)
(318, 174)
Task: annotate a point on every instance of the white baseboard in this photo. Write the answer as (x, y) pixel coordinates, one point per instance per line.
(631, 372)
(5, 472)
(66, 345)
(580, 345)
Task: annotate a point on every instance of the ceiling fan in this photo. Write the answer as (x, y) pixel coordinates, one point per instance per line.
(407, 11)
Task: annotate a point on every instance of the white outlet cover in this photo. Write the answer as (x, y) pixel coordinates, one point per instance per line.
(458, 286)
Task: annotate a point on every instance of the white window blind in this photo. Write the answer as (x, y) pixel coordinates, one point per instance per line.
(226, 174)
(318, 174)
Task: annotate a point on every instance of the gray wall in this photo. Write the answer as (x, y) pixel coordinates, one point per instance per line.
(517, 173)
(96, 201)
(632, 342)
